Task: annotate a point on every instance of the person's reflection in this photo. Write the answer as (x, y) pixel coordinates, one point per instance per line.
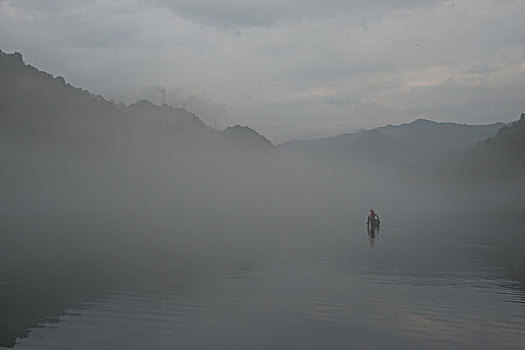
(373, 233)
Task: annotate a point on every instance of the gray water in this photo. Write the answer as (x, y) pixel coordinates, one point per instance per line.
(430, 285)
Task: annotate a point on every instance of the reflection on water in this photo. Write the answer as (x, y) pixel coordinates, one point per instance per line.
(417, 289)
(373, 233)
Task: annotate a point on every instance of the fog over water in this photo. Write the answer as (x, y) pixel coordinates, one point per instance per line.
(242, 249)
(139, 226)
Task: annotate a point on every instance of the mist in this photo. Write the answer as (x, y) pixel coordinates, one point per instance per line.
(103, 199)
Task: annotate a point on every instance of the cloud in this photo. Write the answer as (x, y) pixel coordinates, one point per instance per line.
(481, 69)
(249, 13)
(497, 97)
(340, 100)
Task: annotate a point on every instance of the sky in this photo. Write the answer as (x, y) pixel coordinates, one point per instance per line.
(296, 69)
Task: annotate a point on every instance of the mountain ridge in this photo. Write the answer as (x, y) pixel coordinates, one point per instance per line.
(37, 107)
(415, 122)
(500, 157)
(394, 144)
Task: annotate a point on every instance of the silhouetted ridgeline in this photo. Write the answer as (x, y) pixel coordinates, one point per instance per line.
(502, 155)
(495, 159)
(251, 139)
(393, 147)
(40, 109)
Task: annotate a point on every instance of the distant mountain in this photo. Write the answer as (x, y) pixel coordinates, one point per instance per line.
(319, 147)
(39, 109)
(247, 138)
(500, 157)
(432, 138)
(393, 145)
(373, 147)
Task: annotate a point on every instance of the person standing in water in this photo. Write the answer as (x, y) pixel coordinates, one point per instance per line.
(373, 218)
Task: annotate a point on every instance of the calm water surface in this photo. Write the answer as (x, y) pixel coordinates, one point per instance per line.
(412, 286)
